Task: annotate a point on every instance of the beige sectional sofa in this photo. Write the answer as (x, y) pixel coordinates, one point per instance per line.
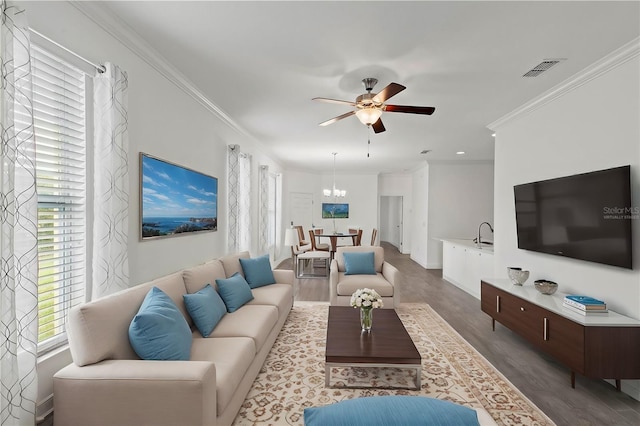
(108, 384)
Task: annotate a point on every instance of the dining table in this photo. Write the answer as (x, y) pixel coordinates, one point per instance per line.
(333, 237)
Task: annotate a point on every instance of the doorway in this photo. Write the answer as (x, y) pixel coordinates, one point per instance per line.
(302, 209)
(391, 226)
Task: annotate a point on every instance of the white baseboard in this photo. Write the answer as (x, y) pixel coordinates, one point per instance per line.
(434, 265)
(44, 408)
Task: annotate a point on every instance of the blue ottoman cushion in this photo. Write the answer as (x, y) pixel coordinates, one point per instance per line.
(391, 411)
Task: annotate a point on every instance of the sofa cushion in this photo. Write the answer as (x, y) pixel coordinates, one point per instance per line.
(359, 263)
(98, 330)
(278, 295)
(159, 331)
(231, 263)
(254, 321)
(235, 292)
(378, 253)
(348, 284)
(206, 309)
(391, 410)
(197, 277)
(232, 356)
(257, 271)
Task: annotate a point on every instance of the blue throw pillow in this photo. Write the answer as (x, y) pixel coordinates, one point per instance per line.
(159, 331)
(391, 411)
(206, 309)
(357, 263)
(257, 271)
(235, 292)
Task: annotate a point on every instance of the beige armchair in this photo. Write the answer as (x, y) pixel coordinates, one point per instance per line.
(385, 282)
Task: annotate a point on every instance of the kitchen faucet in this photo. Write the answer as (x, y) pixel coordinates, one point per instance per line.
(480, 227)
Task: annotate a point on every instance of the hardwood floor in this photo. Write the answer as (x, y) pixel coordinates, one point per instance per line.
(539, 377)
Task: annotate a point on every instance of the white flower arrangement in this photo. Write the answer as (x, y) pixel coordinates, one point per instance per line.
(366, 298)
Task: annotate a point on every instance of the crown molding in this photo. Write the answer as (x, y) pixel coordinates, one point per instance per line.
(110, 23)
(614, 59)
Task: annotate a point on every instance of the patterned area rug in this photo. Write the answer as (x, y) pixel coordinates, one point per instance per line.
(292, 377)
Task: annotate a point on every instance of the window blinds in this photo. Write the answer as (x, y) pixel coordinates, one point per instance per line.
(60, 136)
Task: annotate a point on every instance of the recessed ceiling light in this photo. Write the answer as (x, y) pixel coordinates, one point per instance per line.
(493, 134)
(460, 152)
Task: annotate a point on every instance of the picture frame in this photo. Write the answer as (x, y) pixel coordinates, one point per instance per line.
(175, 200)
(335, 210)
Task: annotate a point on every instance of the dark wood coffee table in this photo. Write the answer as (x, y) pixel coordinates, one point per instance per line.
(387, 345)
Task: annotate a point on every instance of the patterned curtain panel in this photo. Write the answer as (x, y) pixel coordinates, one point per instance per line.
(18, 225)
(233, 179)
(263, 211)
(244, 203)
(111, 185)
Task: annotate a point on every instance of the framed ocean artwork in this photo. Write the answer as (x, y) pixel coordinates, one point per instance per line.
(175, 200)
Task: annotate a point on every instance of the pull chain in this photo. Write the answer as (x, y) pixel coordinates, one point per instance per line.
(368, 140)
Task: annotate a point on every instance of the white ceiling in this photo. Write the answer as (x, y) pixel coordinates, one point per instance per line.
(262, 62)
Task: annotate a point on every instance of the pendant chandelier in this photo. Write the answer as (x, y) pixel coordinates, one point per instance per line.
(335, 192)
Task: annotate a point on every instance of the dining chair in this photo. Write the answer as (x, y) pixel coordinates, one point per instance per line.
(358, 240)
(300, 230)
(374, 234)
(318, 246)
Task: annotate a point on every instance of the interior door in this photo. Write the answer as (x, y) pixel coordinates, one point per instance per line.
(302, 209)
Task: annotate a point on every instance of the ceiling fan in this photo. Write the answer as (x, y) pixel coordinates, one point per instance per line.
(368, 107)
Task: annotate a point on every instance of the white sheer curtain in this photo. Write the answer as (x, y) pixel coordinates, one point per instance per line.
(233, 177)
(18, 225)
(263, 211)
(111, 184)
(244, 203)
(238, 199)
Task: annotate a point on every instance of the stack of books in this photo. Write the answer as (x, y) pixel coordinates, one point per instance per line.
(585, 305)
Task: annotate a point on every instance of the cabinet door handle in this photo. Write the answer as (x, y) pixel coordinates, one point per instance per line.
(497, 303)
(545, 329)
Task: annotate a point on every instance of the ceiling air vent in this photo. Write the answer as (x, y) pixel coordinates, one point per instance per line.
(425, 151)
(542, 67)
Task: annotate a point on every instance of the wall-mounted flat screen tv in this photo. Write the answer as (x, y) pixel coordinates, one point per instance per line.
(175, 200)
(335, 210)
(586, 216)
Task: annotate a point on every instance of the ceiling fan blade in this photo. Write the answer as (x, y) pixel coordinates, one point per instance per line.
(378, 127)
(334, 101)
(410, 109)
(334, 119)
(391, 90)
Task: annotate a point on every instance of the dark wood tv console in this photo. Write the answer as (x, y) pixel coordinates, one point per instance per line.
(606, 346)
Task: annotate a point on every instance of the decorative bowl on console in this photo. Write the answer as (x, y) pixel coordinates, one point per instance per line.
(545, 286)
(517, 275)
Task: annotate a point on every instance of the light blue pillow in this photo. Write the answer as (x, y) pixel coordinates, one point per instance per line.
(206, 309)
(235, 291)
(159, 331)
(257, 271)
(359, 263)
(391, 411)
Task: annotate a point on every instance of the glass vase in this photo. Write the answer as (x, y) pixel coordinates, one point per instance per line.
(366, 319)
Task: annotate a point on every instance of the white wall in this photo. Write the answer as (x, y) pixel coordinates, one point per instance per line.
(420, 215)
(460, 199)
(400, 184)
(593, 126)
(164, 121)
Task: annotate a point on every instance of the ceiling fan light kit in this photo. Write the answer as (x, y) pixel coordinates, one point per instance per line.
(368, 116)
(369, 107)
